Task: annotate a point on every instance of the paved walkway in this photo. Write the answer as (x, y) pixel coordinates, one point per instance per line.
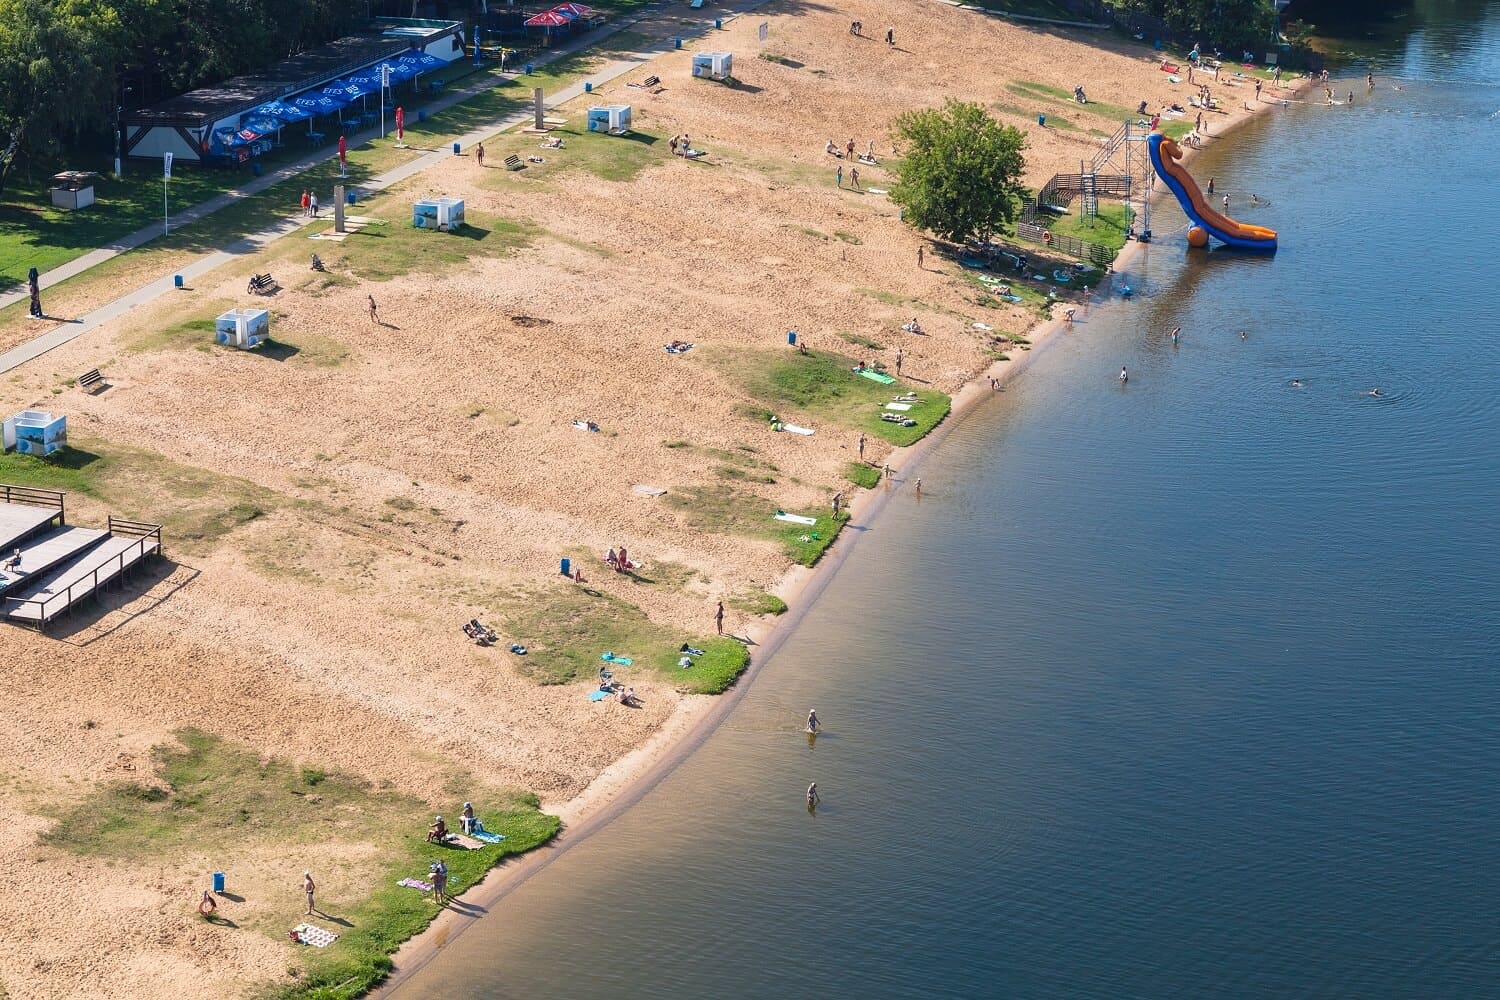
(73, 329)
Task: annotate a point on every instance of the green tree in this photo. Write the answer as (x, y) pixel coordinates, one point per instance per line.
(57, 71)
(1228, 25)
(961, 177)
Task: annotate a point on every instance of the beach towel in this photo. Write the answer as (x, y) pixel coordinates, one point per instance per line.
(983, 326)
(489, 838)
(1174, 79)
(876, 190)
(597, 695)
(874, 376)
(1011, 298)
(898, 406)
(315, 936)
(415, 883)
(623, 661)
(648, 491)
(794, 429)
(466, 842)
(782, 515)
(1167, 67)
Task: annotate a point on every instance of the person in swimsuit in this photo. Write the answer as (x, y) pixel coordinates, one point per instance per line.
(812, 796)
(813, 725)
(1124, 376)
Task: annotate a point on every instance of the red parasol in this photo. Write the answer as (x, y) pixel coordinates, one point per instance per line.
(343, 149)
(576, 9)
(548, 19)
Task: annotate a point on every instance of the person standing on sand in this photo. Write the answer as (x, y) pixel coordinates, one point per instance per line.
(861, 446)
(839, 176)
(919, 257)
(890, 36)
(899, 358)
(479, 153)
(854, 176)
(719, 618)
(1258, 84)
(373, 317)
(309, 888)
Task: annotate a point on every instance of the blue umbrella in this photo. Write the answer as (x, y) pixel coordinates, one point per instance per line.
(349, 90)
(285, 112)
(318, 104)
(420, 62)
(260, 124)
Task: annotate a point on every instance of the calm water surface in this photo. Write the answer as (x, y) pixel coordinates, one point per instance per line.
(1189, 688)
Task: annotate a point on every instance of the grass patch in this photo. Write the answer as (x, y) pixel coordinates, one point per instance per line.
(862, 475)
(723, 509)
(207, 794)
(1055, 96)
(566, 629)
(195, 507)
(383, 252)
(758, 603)
(860, 340)
(1108, 229)
(821, 385)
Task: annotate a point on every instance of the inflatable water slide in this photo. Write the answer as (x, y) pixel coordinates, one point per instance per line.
(1165, 154)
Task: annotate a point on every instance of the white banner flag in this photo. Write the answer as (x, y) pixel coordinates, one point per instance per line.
(166, 164)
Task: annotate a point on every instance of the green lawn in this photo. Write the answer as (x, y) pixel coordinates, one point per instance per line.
(725, 508)
(211, 796)
(567, 628)
(862, 475)
(1108, 228)
(758, 603)
(821, 385)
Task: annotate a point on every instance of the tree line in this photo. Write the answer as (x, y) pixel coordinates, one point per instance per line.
(66, 65)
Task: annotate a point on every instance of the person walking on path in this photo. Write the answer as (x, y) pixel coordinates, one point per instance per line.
(861, 446)
(887, 471)
(919, 257)
(838, 500)
(374, 318)
(34, 282)
(479, 153)
(305, 203)
(719, 618)
(343, 156)
(309, 888)
(839, 176)
(312, 204)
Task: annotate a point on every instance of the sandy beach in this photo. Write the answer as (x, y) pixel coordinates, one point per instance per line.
(334, 511)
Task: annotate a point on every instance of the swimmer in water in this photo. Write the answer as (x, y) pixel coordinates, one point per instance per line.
(1226, 203)
(1370, 80)
(1374, 392)
(1175, 332)
(812, 796)
(1296, 383)
(1124, 375)
(813, 725)
(1242, 334)
(1254, 200)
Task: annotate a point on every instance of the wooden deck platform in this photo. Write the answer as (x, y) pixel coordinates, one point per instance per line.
(45, 552)
(45, 597)
(18, 520)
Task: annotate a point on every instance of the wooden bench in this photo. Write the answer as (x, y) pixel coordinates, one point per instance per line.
(262, 284)
(91, 381)
(513, 162)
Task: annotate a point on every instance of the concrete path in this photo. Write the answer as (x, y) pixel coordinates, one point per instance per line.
(73, 329)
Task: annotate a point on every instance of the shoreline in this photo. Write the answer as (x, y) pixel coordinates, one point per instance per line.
(627, 780)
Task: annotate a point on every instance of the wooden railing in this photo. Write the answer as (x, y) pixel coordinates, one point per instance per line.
(33, 497)
(147, 542)
(1094, 253)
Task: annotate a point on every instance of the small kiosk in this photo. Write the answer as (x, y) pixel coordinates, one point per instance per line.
(73, 189)
(35, 432)
(243, 328)
(713, 65)
(612, 119)
(446, 214)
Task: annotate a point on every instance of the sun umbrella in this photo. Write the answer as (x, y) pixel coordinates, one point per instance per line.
(318, 103)
(260, 124)
(547, 19)
(420, 62)
(282, 111)
(576, 9)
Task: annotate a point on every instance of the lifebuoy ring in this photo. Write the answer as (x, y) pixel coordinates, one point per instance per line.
(1046, 237)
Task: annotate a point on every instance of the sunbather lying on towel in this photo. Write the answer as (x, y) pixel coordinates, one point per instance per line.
(555, 142)
(678, 347)
(891, 418)
(913, 326)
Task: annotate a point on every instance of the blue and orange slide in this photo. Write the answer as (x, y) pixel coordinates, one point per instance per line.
(1165, 154)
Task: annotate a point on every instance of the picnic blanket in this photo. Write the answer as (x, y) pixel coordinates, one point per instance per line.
(597, 695)
(898, 406)
(782, 515)
(794, 429)
(874, 376)
(315, 936)
(489, 838)
(623, 661)
(415, 883)
(466, 842)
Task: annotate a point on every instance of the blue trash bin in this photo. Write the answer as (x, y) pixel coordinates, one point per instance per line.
(255, 168)
(588, 87)
(421, 115)
(566, 568)
(1041, 120)
(719, 23)
(455, 149)
(349, 197)
(791, 337)
(218, 881)
(676, 43)
(528, 69)
(177, 280)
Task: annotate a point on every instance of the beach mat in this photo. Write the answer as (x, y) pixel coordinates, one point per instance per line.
(623, 661)
(898, 406)
(794, 429)
(415, 883)
(597, 695)
(465, 841)
(489, 838)
(315, 936)
(782, 515)
(646, 490)
(877, 377)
